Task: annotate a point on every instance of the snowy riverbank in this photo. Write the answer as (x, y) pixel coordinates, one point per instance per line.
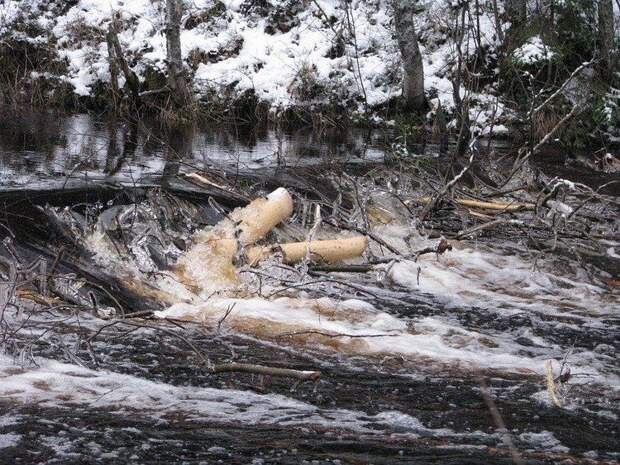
(280, 54)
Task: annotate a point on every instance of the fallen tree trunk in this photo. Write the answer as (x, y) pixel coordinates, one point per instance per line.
(214, 253)
(328, 251)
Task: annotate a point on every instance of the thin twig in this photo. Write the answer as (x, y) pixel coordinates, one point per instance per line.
(499, 422)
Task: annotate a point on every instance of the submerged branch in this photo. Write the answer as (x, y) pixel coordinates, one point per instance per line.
(266, 370)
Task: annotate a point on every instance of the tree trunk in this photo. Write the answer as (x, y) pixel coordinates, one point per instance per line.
(132, 83)
(498, 23)
(413, 68)
(176, 74)
(113, 65)
(606, 37)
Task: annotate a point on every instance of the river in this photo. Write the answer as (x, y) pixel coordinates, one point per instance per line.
(406, 380)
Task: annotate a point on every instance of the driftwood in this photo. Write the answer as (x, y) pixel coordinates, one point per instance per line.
(203, 181)
(361, 268)
(265, 370)
(483, 226)
(329, 251)
(499, 206)
(372, 236)
(442, 247)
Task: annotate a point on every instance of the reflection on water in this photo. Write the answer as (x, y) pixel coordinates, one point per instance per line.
(41, 150)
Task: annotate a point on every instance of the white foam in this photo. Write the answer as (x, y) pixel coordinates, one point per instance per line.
(9, 440)
(477, 275)
(371, 332)
(57, 384)
(545, 440)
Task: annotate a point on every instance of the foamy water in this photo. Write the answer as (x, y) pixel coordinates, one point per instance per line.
(275, 304)
(417, 311)
(53, 383)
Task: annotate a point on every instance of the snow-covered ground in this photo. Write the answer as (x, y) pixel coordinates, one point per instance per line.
(286, 52)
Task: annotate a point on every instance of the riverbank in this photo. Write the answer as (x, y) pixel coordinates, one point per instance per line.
(278, 61)
(313, 63)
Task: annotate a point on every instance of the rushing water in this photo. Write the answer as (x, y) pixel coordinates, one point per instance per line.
(405, 386)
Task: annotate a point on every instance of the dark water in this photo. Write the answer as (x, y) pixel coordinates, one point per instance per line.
(73, 160)
(45, 151)
(458, 428)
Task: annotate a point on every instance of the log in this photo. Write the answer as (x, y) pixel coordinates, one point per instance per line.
(265, 370)
(262, 215)
(328, 251)
(358, 268)
(500, 206)
(204, 181)
(212, 256)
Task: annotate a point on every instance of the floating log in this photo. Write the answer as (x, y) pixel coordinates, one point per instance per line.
(211, 258)
(500, 206)
(328, 251)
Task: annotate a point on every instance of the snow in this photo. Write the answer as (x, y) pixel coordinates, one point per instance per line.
(533, 50)
(238, 50)
(9, 12)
